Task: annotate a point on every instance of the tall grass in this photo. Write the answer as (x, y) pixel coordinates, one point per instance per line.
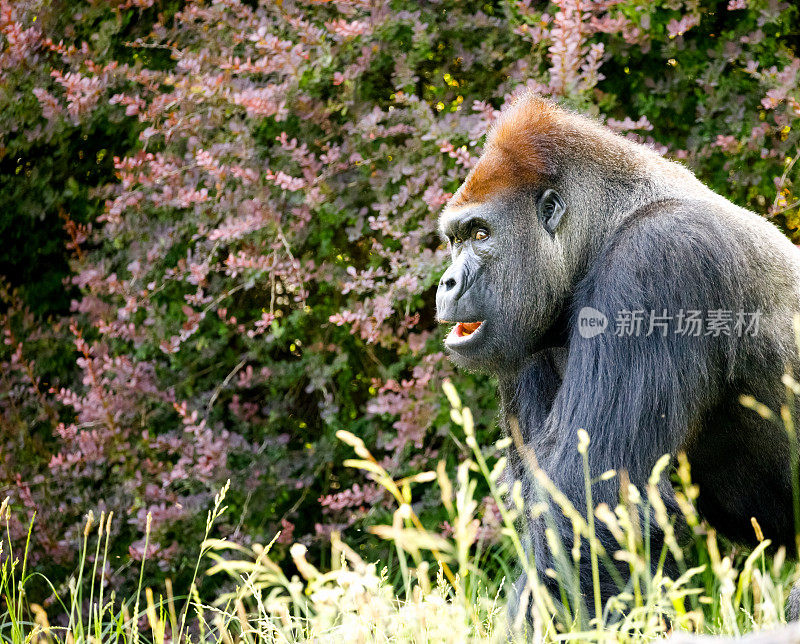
(438, 590)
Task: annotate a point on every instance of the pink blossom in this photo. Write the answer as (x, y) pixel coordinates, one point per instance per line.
(774, 97)
(728, 143)
(261, 325)
(82, 93)
(343, 29)
(628, 123)
(368, 495)
(267, 101)
(679, 27)
(51, 108)
(287, 532)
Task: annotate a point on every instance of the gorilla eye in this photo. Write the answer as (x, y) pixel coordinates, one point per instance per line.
(481, 234)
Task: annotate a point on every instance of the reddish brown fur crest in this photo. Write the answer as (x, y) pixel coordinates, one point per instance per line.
(518, 151)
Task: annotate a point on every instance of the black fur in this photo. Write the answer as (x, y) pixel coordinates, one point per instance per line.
(639, 396)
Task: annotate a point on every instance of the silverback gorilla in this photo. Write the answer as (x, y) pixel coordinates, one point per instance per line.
(608, 289)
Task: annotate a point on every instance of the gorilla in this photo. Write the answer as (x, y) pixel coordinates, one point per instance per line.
(608, 289)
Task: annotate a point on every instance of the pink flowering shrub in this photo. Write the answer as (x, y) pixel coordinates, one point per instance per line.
(253, 255)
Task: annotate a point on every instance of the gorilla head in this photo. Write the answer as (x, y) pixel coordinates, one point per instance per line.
(485, 277)
(527, 223)
(518, 232)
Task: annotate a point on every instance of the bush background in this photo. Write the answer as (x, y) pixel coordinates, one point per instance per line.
(219, 237)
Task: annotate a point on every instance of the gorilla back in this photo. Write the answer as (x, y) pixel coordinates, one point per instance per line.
(608, 289)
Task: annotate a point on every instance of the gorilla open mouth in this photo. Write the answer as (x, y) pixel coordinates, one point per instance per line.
(463, 333)
(467, 328)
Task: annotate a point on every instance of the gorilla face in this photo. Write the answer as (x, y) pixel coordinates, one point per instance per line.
(501, 290)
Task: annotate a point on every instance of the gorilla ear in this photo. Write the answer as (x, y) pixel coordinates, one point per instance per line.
(550, 209)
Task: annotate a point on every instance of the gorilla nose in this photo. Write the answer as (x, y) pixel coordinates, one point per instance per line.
(450, 288)
(451, 282)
